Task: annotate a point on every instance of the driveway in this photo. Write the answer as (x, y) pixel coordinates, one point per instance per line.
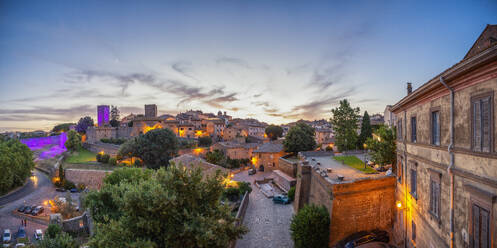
(268, 223)
(36, 192)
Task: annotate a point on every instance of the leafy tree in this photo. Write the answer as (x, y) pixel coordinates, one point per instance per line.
(383, 148)
(205, 141)
(344, 122)
(300, 138)
(215, 157)
(173, 207)
(310, 227)
(291, 193)
(83, 124)
(114, 113)
(64, 127)
(274, 132)
(114, 123)
(155, 148)
(366, 130)
(56, 238)
(16, 163)
(73, 142)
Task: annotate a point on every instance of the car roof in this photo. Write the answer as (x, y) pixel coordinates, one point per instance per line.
(39, 231)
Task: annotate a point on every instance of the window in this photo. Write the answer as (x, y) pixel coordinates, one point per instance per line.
(435, 128)
(435, 193)
(399, 129)
(413, 129)
(399, 170)
(414, 182)
(481, 123)
(481, 227)
(413, 234)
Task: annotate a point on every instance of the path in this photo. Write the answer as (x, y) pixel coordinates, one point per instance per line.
(268, 223)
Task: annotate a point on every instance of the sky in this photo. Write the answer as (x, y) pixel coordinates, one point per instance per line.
(277, 61)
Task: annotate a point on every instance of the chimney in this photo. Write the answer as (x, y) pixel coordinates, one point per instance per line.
(409, 88)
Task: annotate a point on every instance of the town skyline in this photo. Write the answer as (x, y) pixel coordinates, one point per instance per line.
(277, 63)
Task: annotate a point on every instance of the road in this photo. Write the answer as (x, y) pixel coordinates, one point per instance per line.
(268, 223)
(35, 182)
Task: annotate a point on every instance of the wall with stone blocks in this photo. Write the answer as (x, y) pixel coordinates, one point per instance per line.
(93, 179)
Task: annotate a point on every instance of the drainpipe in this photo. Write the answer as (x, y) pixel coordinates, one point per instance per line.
(450, 149)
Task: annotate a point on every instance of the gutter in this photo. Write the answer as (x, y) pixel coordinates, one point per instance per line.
(450, 149)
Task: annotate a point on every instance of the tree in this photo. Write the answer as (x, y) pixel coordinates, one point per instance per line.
(204, 141)
(215, 157)
(16, 163)
(344, 122)
(300, 138)
(114, 113)
(310, 227)
(366, 131)
(73, 142)
(155, 148)
(274, 132)
(383, 148)
(83, 124)
(64, 127)
(114, 123)
(173, 207)
(56, 238)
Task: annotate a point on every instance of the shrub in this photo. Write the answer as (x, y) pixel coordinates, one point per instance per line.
(138, 163)
(81, 186)
(310, 227)
(99, 157)
(244, 187)
(232, 193)
(68, 184)
(53, 230)
(291, 193)
(112, 161)
(105, 158)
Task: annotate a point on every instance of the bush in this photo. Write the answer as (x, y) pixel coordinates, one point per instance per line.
(81, 186)
(105, 158)
(291, 193)
(310, 227)
(232, 193)
(112, 161)
(244, 187)
(99, 157)
(68, 184)
(204, 141)
(52, 231)
(138, 163)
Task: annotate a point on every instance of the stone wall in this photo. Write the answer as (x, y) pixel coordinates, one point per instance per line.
(284, 181)
(93, 179)
(287, 166)
(110, 149)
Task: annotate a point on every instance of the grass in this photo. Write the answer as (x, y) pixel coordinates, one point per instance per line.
(80, 157)
(355, 163)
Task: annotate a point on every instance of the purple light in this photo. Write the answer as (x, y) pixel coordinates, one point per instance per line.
(57, 142)
(103, 114)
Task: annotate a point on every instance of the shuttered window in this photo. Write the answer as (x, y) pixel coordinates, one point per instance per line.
(413, 234)
(400, 167)
(435, 197)
(481, 227)
(435, 128)
(399, 129)
(414, 182)
(413, 129)
(481, 123)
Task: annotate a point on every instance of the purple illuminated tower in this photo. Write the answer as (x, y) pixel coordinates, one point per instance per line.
(103, 115)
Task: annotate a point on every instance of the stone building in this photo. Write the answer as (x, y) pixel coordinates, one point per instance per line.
(235, 150)
(193, 162)
(150, 110)
(446, 152)
(268, 155)
(356, 201)
(103, 115)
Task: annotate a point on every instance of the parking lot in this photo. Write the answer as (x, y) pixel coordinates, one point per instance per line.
(42, 191)
(268, 223)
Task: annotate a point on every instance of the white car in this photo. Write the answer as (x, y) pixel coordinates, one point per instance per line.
(20, 245)
(7, 236)
(38, 234)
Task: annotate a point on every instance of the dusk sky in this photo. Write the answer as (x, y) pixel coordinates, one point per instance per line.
(277, 61)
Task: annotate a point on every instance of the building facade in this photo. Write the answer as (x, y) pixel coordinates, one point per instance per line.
(103, 112)
(447, 157)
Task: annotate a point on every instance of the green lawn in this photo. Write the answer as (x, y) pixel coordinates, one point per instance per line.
(355, 163)
(81, 156)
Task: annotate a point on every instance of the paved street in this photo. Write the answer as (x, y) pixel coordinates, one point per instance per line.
(39, 189)
(268, 223)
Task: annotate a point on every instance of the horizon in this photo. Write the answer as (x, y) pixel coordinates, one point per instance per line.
(276, 62)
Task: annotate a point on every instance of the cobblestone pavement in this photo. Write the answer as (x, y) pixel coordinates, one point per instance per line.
(43, 190)
(268, 223)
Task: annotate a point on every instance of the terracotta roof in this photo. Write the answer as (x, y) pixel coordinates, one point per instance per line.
(269, 148)
(191, 162)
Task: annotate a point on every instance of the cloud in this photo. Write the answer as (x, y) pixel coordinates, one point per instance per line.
(45, 113)
(233, 61)
(257, 95)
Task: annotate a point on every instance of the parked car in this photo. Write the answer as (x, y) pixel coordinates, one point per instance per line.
(367, 237)
(20, 245)
(7, 236)
(38, 210)
(38, 234)
(281, 199)
(74, 190)
(376, 245)
(21, 233)
(32, 209)
(21, 208)
(27, 210)
(60, 189)
(252, 172)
